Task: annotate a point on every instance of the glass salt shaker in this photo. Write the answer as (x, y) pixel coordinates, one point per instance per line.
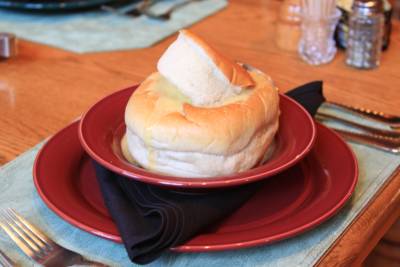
(364, 42)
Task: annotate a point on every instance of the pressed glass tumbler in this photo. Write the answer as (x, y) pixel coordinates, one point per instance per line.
(317, 45)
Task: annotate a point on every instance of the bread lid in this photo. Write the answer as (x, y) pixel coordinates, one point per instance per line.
(235, 73)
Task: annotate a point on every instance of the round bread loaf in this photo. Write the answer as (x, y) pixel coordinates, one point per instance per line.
(167, 133)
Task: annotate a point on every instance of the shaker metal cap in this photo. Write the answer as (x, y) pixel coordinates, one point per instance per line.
(367, 7)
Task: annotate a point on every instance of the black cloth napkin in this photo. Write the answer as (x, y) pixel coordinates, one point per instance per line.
(151, 219)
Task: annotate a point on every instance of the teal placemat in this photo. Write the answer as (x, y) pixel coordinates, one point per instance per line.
(96, 31)
(17, 191)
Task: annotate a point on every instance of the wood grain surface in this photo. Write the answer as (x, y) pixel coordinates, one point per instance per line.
(45, 88)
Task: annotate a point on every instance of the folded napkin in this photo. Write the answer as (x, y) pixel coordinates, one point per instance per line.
(152, 219)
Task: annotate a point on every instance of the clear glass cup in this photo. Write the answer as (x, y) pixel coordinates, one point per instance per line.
(317, 45)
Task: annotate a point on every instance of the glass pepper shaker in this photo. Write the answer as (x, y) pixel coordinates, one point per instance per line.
(364, 42)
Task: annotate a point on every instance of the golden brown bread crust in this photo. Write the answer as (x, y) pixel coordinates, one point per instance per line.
(180, 126)
(235, 73)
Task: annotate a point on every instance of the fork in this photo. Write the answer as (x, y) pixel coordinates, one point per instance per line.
(37, 245)
(123, 7)
(144, 7)
(166, 15)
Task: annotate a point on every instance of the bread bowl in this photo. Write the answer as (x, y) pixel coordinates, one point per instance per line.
(200, 114)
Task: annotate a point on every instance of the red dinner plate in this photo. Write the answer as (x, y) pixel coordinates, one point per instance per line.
(103, 127)
(288, 204)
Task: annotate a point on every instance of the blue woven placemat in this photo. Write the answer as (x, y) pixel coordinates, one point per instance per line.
(304, 250)
(95, 31)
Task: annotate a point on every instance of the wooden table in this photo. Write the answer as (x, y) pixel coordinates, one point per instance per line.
(44, 88)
